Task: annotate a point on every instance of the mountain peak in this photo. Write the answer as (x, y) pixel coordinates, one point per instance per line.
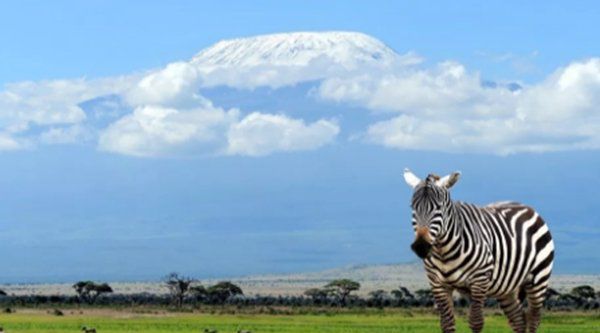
(347, 49)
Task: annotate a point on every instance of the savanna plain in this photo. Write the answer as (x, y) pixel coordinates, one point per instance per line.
(386, 320)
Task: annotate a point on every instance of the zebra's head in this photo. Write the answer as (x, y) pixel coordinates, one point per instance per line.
(431, 206)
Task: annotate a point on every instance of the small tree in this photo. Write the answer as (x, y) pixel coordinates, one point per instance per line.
(378, 294)
(2, 292)
(403, 295)
(222, 291)
(342, 288)
(552, 298)
(378, 297)
(317, 294)
(82, 290)
(585, 292)
(88, 291)
(198, 292)
(179, 286)
(424, 297)
(99, 289)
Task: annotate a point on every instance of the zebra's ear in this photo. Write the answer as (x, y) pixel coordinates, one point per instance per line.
(411, 179)
(449, 180)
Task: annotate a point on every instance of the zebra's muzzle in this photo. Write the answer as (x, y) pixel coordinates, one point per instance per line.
(421, 247)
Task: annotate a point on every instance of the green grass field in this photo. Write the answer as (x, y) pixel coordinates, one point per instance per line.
(120, 322)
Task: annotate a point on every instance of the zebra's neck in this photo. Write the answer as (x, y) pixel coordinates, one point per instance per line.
(452, 231)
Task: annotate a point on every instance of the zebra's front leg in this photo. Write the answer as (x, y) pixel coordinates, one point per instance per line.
(476, 309)
(445, 306)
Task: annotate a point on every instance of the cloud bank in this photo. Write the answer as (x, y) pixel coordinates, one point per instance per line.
(160, 131)
(448, 109)
(262, 134)
(441, 107)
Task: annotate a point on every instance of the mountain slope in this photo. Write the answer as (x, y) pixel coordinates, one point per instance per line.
(348, 49)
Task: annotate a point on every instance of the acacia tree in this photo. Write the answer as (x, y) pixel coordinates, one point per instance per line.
(584, 292)
(102, 288)
(88, 291)
(81, 289)
(222, 291)
(179, 286)
(342, 288)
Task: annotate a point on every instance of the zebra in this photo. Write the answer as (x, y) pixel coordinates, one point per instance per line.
(503, 250)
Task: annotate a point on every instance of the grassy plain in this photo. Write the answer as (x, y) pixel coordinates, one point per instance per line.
(112, 321)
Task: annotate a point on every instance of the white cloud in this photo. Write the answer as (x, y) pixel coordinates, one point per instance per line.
(54, 102)
(443, 91)
(444, 107)
(152, 131)
(158, 131)
(51, 105)
(175, 85)
(448, 109)
(170, 116)
(277, 76)
(262, 134)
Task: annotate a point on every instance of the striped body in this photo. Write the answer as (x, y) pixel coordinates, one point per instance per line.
(508, 243)
(503, 250)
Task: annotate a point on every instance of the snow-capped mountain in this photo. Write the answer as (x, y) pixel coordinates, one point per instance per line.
(284, 59)
(348, 49)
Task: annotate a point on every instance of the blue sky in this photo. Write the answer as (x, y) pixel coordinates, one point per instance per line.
(105, 38)
(124, 160)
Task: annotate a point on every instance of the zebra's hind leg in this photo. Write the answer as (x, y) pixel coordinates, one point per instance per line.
(513, 309)
(445, 306)
(536, 294)
(537, 287)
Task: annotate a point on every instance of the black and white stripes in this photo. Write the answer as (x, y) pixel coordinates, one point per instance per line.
(502, 250)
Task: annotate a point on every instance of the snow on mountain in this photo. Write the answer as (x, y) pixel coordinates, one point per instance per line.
(348, 49)
(284, 59)
(274, 61)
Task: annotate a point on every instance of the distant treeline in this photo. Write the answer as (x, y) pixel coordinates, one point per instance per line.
(187, 292)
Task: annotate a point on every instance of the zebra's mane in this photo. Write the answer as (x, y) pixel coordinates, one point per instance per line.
(428, 196)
